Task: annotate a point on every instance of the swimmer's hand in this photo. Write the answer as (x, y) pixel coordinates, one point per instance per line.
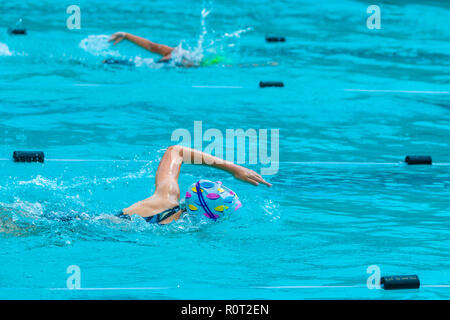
(249, 176)
(117, 37)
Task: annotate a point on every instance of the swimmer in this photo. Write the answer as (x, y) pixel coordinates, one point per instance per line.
(165, 51)
(203, 198)
(169, 53)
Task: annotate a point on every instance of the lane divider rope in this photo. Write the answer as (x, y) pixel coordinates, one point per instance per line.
(307, 163)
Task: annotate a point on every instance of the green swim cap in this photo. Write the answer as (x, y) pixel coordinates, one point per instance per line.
(217, 59)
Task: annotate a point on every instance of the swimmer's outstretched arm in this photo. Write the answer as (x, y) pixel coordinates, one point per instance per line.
(161, 49)
(169, 169)
(193, 156)
(167, 191)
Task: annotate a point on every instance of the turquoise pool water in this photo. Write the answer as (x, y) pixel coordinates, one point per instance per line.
(312, 235)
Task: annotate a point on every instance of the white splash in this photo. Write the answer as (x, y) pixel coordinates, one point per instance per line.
(271, 209)
(42, 182)
(147, 62)
(237, 34)
(196, 54)
(98, 45)
(23, 208)
(4, 50)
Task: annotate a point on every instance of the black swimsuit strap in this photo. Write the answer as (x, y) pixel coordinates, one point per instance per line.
(157, 218)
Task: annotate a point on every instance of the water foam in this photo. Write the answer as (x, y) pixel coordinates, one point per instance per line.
(98, 45)
(4, 50)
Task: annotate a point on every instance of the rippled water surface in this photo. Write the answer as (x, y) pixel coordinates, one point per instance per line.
(351, 95)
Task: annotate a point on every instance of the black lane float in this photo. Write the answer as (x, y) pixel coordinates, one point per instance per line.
(17, 31)
(400, 282)
(28, 156)
(275, 39)
(265, 84)
(418, 160)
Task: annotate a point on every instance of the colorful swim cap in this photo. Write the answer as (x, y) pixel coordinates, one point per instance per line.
(211, 199)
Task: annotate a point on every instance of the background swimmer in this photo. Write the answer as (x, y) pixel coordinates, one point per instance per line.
(178, 55)
(164, 205)
(167, 53)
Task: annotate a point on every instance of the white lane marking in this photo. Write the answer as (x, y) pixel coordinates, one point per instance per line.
(308, 287)
(104, 289)
(95, 160)
(398, 91)
(436, 286)
(87, 85)
(179, 287)
(345, 163)
(400, 163)
(217, 87)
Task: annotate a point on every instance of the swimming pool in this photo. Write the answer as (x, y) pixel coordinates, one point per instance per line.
(351, 95)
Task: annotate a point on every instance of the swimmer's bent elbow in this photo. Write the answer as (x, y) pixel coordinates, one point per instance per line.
(175, 152)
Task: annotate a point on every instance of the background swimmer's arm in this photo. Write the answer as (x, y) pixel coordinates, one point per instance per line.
(170, 166)
(161, 49)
